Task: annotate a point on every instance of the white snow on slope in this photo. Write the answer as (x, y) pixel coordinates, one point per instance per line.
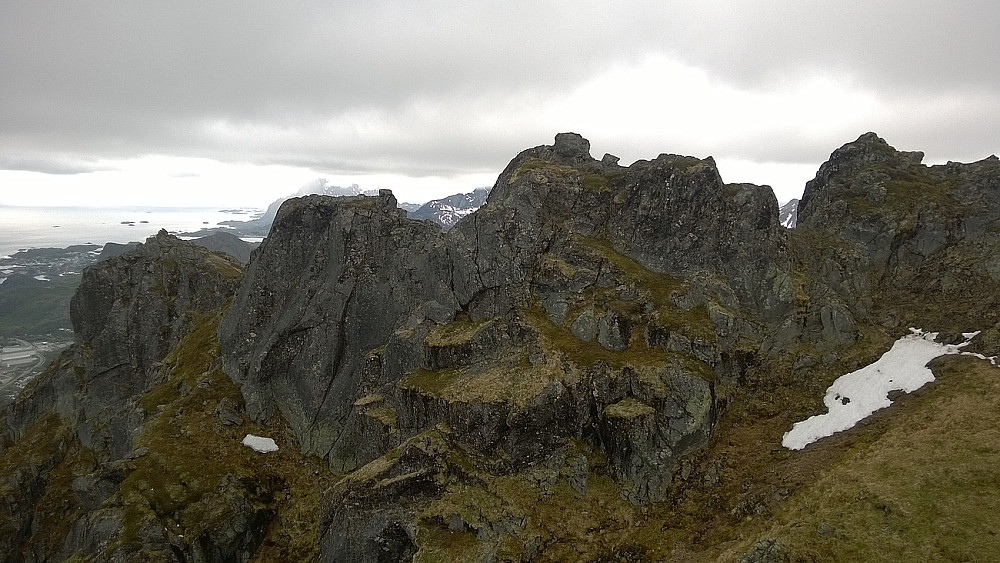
(260, 444)
(854, 396)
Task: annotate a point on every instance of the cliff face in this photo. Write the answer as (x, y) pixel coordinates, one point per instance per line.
(128, 314)
(585, 301)
(329, 285)
(596, 351)
(888, 241)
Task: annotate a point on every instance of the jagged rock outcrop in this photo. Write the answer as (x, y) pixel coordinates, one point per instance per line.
(330, 284)
(127, 315)
(541, 373)
(584, 301)
(82, 415)
(886, 239)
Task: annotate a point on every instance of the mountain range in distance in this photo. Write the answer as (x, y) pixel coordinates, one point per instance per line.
(445, 211)
(788, 214)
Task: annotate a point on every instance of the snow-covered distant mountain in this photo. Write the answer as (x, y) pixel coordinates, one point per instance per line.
(320, 186)
(446, 211)
(788, 214)
(449, 210)
(261, 225)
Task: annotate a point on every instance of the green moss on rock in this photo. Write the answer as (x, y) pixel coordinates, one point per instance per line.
(629, 407)
(195, 469)
(545, 170)
(385, 415)
(511, 380)
(458, 332)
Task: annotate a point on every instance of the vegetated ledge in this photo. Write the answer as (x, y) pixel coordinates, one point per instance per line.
(515, 381)
(629, 407)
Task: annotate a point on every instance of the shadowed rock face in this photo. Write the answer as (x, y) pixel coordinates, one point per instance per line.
(332, 282)
(128, 313)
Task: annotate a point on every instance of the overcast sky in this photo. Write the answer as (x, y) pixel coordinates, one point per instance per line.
(238, 103)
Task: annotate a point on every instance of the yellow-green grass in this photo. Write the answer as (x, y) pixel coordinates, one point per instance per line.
(925, 489)
(513, 380)
(193, 461)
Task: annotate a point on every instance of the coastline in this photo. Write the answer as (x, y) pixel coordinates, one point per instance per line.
(61, 227)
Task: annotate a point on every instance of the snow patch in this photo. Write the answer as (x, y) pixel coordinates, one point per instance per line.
(260, 444)
(42, 277)
(856, 395)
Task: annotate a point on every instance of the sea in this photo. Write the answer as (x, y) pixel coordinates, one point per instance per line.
(59, 227)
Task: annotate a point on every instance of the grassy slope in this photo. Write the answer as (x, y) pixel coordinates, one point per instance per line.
(194, 462)
(916, 481)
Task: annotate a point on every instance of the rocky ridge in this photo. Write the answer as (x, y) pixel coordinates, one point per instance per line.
(558, 361)
(128, 314)
(549, 316)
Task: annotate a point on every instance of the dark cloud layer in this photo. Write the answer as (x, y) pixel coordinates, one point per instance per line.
(434, 87)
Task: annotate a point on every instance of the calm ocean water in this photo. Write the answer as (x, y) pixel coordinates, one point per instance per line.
(59, 227)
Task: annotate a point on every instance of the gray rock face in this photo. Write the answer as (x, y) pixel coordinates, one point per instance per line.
(590, 320)
(128, 313)
(339, 278)
(331, 283)
(667, 413)
(584, 301)
(376, 508)
(881, 228)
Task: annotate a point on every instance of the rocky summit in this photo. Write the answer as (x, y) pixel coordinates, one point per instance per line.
(598, 364)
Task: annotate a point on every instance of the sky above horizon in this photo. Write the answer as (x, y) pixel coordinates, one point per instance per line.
(231, 103)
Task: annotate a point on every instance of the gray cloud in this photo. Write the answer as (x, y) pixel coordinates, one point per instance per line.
(53, 165)
(418, 88)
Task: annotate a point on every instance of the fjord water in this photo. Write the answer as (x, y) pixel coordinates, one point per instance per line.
(59, 227)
